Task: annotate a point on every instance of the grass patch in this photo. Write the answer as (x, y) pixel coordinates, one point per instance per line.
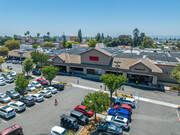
(36, 91)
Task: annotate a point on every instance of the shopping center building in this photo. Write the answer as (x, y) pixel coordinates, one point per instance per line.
(136, 66)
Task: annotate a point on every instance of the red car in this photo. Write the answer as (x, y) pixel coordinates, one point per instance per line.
(82, 108)
(124, 106)
(42, 81)
(12, 130)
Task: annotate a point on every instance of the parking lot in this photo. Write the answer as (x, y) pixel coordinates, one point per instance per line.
(147, 118)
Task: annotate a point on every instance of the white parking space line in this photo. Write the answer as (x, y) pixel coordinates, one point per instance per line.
(125, 133)
(28, 108)
(4, 121)
(17, 114)
(136, 97)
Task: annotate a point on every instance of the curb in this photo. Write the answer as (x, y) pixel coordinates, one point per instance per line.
(173, 91)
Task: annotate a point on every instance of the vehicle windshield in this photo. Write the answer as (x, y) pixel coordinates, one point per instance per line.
(13, 92)
(39, 96)
(43, 80)
(30, 86)
(112, 118)
(118, 129)
(48, 92)
(21, 105)
(87, 110)
(82, 117)
(5, 96)
(10, 111)
(36, 83)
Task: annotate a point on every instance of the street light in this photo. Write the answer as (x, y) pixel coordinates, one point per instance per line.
(117, 66)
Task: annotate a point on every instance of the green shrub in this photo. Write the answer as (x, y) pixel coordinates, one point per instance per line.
(175, 88)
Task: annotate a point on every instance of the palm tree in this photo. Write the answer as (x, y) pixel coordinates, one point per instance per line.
(25, 34)
(28, 32)
(48, 33)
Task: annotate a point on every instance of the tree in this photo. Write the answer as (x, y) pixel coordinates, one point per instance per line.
(48, 44)
(49, 72)
(136, 37)
(38, 34)
(147, 42)
(12, 44)
(4, 51)
(98, 37)
(28, 65)
(27, 32)
(70, 132)
(48, 33)
(113, 82)
(42, 58)
(92, 43)
(178, 45)
(4, 39)
(102, 37)
(98, 102)
(125, 40)
(1, 62)
(79, 36)
(21, 83)
(155, 45)
(35, 55)
(64, 41)
(68, 45)
(15, 37)
(176, 73)
(35, 46)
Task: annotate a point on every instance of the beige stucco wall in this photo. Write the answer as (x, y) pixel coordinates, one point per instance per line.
(103, 59)
(140, 68)
(166, 75)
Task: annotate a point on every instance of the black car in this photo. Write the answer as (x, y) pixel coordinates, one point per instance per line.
(81, 119)
(69, 122)
(36, 72)
(58, 86)
(109, 128)
(13, 94)
(27, 100)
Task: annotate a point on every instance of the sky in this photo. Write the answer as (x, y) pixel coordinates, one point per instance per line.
(111, 17)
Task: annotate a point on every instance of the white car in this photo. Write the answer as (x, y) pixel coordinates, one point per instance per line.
(124, 100)
(45, 93)
(12, 73)
(1, 77)
(2, 83)
(51, 89)
(7, 112)
(31, 87)
(56, 130)
(118, 121)
(36, 84)
(17, 106)
(37, 97)
(4, 98)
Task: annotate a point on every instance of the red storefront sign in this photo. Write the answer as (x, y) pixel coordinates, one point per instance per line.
(92, 58)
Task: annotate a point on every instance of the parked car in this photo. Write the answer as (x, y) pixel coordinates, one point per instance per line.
(109, 128)
(124, 100)
(27, 100)
(13, 61)
(118, 121)
(17, 106)
(81, 119)
(123, 106)
(57, 130)
(2, 83)
(8, 61)
(12, 73)
(30, 87)
(13, 94)
(4, 98)
(120, 112)
(7, 112)
(9, 79)
(45, 93)
(36, 84)
(51, 89)
(12, 130)
(82, 108)
(58, 86)
(37, 97)
(36, 72)
(9, 67)
(20, 62)
(69, 122)
(42, 81)
(1, 77)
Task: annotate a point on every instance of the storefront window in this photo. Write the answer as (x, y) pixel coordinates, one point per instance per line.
(94, 72)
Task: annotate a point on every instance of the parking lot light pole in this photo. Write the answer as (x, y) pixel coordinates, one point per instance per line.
(117, 66)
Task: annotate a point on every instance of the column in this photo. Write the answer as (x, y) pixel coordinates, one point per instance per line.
(85, 71)
(154, 81)
(125, 74)
(103, 71)
(68, 69)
